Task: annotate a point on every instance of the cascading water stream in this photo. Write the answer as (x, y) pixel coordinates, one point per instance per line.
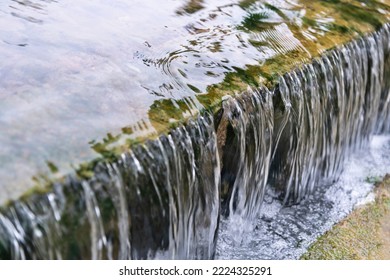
(159, 200)
(164, 199)
(247, 153)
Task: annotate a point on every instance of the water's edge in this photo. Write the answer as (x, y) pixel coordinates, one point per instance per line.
(164, 199)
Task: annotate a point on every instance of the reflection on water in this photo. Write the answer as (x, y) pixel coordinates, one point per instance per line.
(72, 72)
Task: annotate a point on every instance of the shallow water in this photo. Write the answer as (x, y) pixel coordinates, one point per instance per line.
(281, 232)
(73, 75)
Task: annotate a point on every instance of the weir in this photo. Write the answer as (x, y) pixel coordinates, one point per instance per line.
(165, 197)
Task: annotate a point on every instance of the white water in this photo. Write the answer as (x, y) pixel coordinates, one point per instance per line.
(286, 232)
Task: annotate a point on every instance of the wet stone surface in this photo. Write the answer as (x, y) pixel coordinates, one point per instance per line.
(83, 81)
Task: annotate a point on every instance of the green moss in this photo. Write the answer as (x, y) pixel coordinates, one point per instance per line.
(350, 11)
(256, 22)
(355, 12)
(308, 21)
(248, 76)
(338, 28)
(53, 168)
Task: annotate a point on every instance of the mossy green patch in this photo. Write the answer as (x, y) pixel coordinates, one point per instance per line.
(256, 21)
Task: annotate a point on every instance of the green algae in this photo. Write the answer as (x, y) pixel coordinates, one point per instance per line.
(255, 21)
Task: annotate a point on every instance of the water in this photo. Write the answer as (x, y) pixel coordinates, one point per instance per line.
(281, 232)
(126, 71)
(167, 197)
(160, 199)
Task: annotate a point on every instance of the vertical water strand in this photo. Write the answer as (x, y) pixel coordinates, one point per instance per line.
(11, 244)
(383, 124)
(295, 163)
(301, 152)
(293, 90)
(313, 116)
(186, 188)
(247, 154)
(262, 132)
(352, 99)
(37, 230)
(56, 204)
(120, 203)
(176, 231)
(352, 108)
(98, 239)
(281, 140)
(332, 115)
(329, 129)
(288, 172)
(338, 149)
(194, 178)
(355, 82)
(374, 82)
(207, 187)
(386, 86)
(148, 197)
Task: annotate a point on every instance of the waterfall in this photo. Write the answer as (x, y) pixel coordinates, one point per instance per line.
(165, 198)
(246, 152)
(160, 199)
(329, 109)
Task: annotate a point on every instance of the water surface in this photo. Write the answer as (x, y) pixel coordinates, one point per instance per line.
(75, 75)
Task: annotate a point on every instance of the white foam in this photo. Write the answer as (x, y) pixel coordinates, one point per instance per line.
(287, 232)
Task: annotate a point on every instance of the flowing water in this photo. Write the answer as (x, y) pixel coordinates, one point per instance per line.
(127, 71)
(160, 199)
(281, 232)
(223, 185)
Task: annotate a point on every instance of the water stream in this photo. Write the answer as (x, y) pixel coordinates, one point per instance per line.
(226, 185)
(285, 232)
